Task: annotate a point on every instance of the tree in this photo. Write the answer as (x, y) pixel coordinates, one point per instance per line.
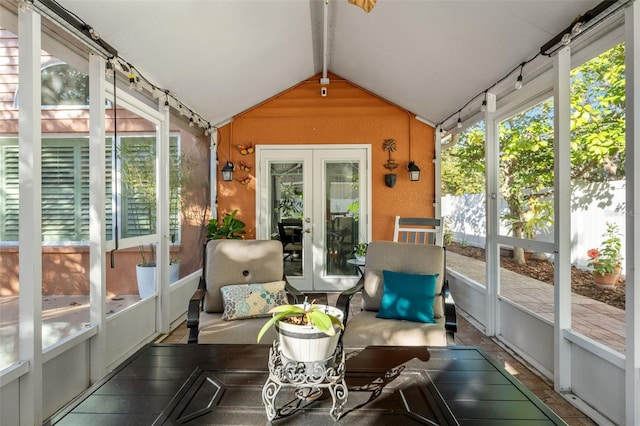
(598, 117)
(526, 170)
(526, 147)
(463, 163)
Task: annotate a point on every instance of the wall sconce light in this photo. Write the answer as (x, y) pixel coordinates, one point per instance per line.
(227, 171)
(414, 171)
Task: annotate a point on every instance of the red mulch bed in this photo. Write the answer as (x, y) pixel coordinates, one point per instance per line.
(581, 281)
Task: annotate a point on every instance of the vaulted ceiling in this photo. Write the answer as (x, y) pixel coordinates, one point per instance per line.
(220, 57)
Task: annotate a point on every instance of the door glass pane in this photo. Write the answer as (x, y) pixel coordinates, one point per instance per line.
(526, 212)
(64, 200)
(138, 175)
(343, 216)
(598, 208)
(131, 276)
(526, 175)
(10, 203)
(285, 180)
(463, 203)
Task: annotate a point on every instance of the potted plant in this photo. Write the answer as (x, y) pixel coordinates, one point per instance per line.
(536, 217)
(146, 272)
(307, 332)
(360, 251)
(290, 203)
(607, 260)
(230, 228)
(448, 233)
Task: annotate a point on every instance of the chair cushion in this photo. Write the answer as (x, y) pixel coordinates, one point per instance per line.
(408, 297)
(365, 329)
(401, 257)
(251, 300)
(239, 262)
(213, 329)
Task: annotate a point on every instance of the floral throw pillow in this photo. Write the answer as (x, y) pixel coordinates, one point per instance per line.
(251, 300)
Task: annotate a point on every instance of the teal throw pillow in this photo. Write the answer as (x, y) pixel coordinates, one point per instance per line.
(408, 297)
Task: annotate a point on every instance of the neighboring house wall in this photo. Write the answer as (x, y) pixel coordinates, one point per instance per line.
(347, 115)
(65, 268)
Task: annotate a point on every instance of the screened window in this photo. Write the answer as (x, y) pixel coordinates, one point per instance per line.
(65, 189)
(64, 85)
(9, 219)
(137, 158)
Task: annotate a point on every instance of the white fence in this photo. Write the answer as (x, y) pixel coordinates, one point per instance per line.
(592, 206)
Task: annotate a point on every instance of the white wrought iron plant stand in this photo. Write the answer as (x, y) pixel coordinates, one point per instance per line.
(309, 378)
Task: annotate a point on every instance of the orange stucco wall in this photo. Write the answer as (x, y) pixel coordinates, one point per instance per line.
(347, 115)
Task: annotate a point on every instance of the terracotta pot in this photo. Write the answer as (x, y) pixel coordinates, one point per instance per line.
(607, 281)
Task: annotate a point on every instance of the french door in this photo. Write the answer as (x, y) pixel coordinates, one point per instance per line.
(320, 198)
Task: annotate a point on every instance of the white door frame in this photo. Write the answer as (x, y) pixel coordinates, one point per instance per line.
(313, 239)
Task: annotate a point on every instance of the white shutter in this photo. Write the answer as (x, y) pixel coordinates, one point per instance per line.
(9, 199)
(65, 189)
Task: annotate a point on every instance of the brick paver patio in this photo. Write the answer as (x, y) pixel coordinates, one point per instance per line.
(594, 319)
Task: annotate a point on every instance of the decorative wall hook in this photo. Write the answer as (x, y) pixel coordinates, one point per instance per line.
(389, 145)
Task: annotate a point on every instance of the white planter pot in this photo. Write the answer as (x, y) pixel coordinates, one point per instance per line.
(307, 343)
(146, 276)
(174, 272)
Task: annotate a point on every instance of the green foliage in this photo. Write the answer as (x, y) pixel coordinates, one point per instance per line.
(360, 249)
(290, 205)
(537, 217)
(607, 258)
(230, 228)
(308, 314)
(598, 117)
(463, 164)
(354, 210)
(448, 233)
(64, 85)
(527, 146)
